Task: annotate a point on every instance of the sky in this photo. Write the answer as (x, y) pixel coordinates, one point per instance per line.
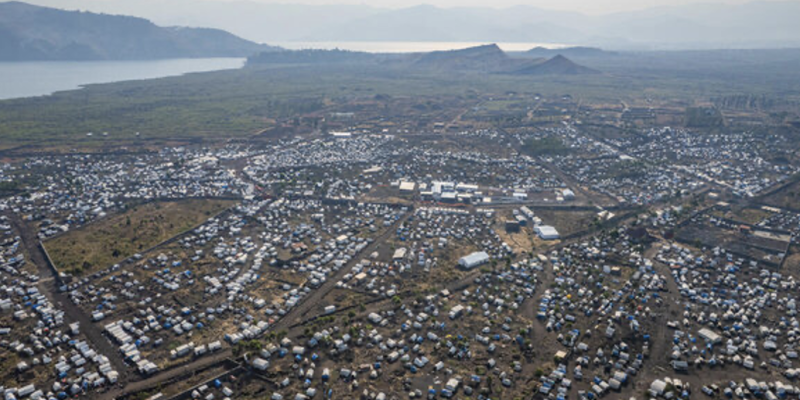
(583, 6)
(593, 7)
(682, 24)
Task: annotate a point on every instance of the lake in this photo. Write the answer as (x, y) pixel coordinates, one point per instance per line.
(409, 47)
(27, 79)
(39, 78)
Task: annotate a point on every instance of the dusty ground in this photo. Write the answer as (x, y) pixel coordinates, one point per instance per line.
(112, 239)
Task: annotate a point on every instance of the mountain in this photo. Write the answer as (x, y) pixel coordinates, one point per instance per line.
(257, 21)
(29, 32)
(487, 58)
(757, 24)
(558, 65)
(751, 25)
(480, 59)
(540, 52)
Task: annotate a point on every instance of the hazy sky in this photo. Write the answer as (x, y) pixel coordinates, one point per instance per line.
(585, 6)
(685, 24)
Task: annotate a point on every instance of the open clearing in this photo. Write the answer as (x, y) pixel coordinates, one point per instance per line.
(118, 237)
(788, 197)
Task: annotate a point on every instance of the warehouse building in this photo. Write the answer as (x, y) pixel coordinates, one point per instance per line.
(547, 232)
(474, 260)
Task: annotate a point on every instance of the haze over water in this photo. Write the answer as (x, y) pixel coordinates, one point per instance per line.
(409, 47)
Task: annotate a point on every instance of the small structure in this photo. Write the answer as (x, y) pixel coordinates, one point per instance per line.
(407, 186)
(709, 336)
(399, 254)
(449, 197)
(512, 226)
(680, 365)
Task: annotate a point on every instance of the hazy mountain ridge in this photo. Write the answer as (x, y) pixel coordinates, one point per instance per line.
(750, 24)
(579, 51)
(29, 32)
(558, 65)
(481, 59)
(487, 58)
(755, 24)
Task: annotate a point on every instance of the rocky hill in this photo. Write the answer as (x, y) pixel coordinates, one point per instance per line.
(481, 58)
(558, 65)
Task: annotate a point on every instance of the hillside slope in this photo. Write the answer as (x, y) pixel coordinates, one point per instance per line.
(30, 32)
(558, 65)
(481, 58)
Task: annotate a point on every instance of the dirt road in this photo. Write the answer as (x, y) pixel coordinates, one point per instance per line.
(48, 286)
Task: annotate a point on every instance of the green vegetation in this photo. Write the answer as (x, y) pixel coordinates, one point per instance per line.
(9, 188)
(239, 103)
(311, 56)
(627, 169)
(144, 395)
(247, 346)
(234, 103)
(703, 117)
(110, 240)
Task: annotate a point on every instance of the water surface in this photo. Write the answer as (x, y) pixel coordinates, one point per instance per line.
(38, 78)
(409, 47)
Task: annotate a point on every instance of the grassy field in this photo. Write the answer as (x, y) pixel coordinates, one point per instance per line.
(566, 222)
(108, 241)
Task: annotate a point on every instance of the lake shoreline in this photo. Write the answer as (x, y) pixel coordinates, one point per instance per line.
(26, 79)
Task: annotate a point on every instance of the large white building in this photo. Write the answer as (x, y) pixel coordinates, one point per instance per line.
(474, 260)
(547, 232)
(466, 188)
(407, 186)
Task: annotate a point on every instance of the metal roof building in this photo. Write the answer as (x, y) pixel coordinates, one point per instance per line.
(547, 232)
(474, 260)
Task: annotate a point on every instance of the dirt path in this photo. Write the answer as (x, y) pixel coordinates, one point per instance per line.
(301, 311)
(660, 339)
(48, 286)
(164, 376)
(296, 315)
